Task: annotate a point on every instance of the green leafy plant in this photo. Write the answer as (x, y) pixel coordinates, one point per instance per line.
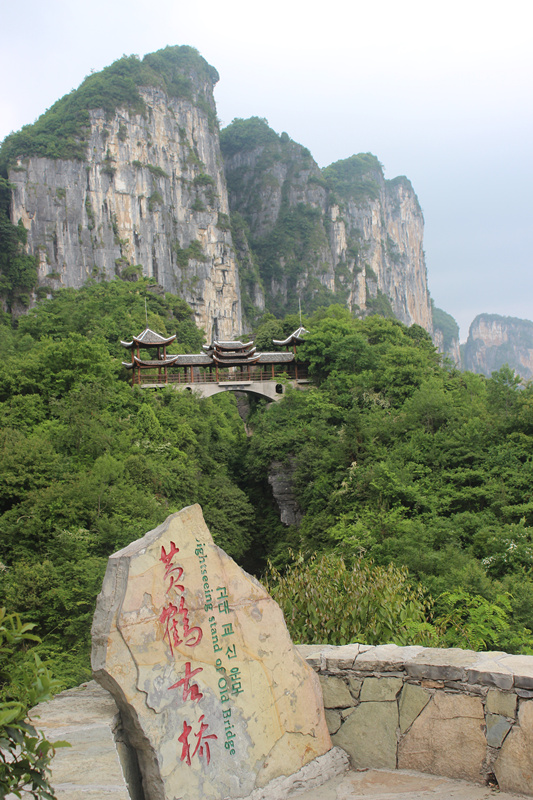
(154, 200)
(155, 170)
(25, 754)
(475, 623)
(90, 213)
(325, 601)
(18, 271)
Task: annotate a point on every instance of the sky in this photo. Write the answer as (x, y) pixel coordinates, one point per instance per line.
(439, 92)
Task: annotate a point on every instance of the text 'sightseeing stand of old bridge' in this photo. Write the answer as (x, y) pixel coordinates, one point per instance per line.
(222, 367)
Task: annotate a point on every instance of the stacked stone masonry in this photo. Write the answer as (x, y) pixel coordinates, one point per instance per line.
(454, 713)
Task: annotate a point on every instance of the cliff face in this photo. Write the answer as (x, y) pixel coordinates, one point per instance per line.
(125, 177)
(386, 233)
(149, 198)
(446, 335)
(342, 234)
(494, 341)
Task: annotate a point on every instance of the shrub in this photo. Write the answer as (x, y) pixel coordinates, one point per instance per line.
(326, 602)
(25, 755)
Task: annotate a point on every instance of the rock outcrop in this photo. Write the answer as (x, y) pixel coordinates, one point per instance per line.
(494, 341)
(118, 180)
(343, 234)
(149, 198)
(214, 697)
(280, 477)
(446, 335)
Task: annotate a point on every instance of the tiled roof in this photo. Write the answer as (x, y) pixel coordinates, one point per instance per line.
(149, 338)
(295, 338)
(276, 358)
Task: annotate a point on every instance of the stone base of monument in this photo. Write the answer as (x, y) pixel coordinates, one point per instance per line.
(101, 764)
(215, 699)
(322, 769)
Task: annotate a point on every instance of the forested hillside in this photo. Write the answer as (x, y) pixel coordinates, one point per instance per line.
(394, 458)
(403, 460)
(89, 465)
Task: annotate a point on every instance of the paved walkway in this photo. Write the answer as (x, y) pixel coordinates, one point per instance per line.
(376, 784)
(91, 768)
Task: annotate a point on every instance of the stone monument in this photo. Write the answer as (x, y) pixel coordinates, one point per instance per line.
(214, 697)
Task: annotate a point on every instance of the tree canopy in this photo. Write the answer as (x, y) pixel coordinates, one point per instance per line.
(394, 459)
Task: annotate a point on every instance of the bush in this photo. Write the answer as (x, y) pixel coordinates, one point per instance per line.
(25, 755)
(326, 602)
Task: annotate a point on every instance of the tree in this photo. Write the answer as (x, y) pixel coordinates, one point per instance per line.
(18, 271)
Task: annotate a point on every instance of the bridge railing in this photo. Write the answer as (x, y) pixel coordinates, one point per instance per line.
(203, 376)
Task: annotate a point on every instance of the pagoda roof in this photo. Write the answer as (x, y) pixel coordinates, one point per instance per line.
(194, 360)
(148, 338)
(229, 354)
(235, 362)
(295, 338)
(228, 346)
(276, 358)
(169, 361)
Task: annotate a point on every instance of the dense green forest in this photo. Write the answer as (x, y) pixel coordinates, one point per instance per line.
(413, 479)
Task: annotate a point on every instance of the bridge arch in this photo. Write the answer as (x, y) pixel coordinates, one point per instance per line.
(269, 389)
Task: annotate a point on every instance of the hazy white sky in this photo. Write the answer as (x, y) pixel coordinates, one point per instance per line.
(440, 92)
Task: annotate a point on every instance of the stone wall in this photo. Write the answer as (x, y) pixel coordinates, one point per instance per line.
(454, 713)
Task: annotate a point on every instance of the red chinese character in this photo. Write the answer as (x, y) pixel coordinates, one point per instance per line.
(168, 612)
(196, 633)
(174, 580)
(166, 558)
(201, 743)
(193, 690)
(171, 626)
(184, 739)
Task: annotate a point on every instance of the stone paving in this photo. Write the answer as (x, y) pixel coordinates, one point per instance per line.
(92, 770)
(399, 785)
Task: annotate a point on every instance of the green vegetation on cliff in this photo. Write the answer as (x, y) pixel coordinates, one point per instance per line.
(244, 135)
(62, 130)
(356, 178)
(18, 271)
(287, 240)
(447, 325)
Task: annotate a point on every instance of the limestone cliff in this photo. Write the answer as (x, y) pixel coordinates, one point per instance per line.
(145, 194)
(494, 341)
(125, 177)
(343, 234)
(446, 335)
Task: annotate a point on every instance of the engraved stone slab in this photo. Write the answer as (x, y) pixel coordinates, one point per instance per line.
(214, 697)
